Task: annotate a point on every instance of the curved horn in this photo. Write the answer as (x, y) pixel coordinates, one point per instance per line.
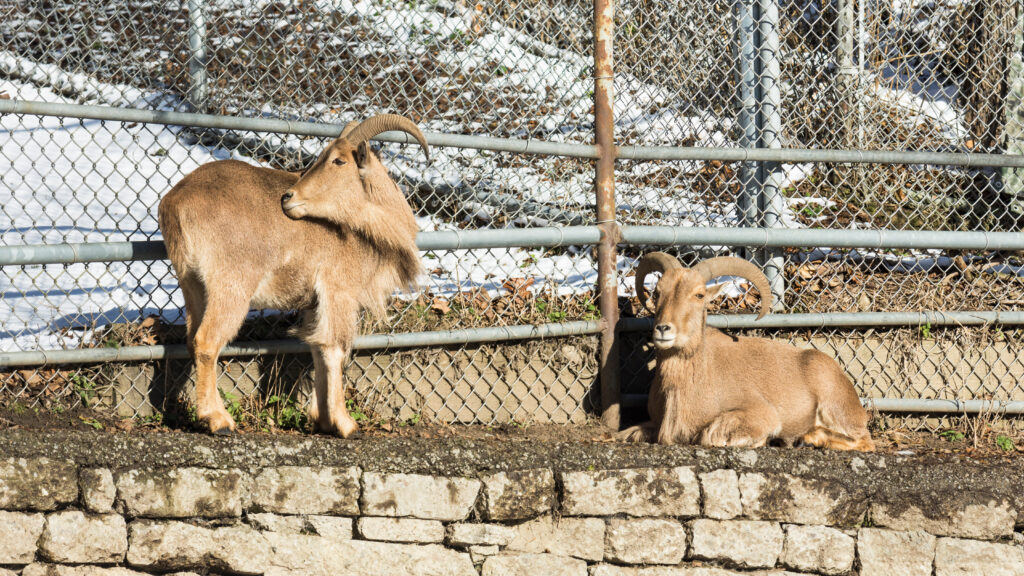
(653, 262)
(732, 266)
(372, 126)
(348, 128)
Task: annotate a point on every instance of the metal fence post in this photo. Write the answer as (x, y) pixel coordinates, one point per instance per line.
(770, 112)
(604, 185)
(197, 90)
(746, 32)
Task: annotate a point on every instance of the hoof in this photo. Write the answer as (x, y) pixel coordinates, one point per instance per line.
(223, 432)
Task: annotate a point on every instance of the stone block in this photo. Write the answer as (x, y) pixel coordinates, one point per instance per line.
(818, 549)
(746, 543)
(332, 527)
(60, 570)
(98, 490)
(306, 490)
(19, 532)
(480, 534)
(949, 515)
(36, 483)
(172, 545)
(577, 537)
(518, 495)
(532, 565)
(427, 497)
(480, 553)
(401, 530)
(181, 493)
(78, 538)
(889, 553)
(955, 557)
(612, 570)
(635, 492)
(296, 555)
(644, 541)
(788, 498)
(721, 494)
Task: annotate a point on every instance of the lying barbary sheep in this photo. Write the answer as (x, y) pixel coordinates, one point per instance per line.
(724, 390)
(332, 241)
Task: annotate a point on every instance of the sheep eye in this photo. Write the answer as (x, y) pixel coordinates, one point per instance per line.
(339, 162)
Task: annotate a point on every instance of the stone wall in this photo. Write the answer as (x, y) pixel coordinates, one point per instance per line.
(74, 504)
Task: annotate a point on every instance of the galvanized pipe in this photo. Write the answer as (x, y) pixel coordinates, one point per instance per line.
(933, 318)
(197, 90)
(709, 153)
(912, 405)
(241, 349)
(772, 203)
(604, 185)
(439, 240)
(747, 117)
(573, 236)
(834, 238)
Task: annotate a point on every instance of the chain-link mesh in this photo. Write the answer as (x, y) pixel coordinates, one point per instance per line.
(869, 75)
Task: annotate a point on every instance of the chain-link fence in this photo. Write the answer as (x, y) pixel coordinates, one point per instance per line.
(863, 152)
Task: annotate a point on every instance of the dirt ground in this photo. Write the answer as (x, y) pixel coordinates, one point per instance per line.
(985, 440)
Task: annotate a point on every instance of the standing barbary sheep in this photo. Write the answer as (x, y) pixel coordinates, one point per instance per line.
(733, 391)
(331, 241)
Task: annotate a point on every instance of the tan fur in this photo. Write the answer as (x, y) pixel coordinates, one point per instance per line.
(723, 390)
(347, 243)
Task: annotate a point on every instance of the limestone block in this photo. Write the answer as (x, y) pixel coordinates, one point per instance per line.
(721, 494)
(172, 545)
(332, 527)
(427, 497)
(789, 498)
(181, 493)
(401, 530)
(577, 537)
(532, 565)
(79, 538)
(951, 515)
(19, 532)
(480, 553)
(98, 490)
(955, 557)
(720, 540)
(296, 555)
(518, 495)
(645, 541)
(36, 483)
(889, 553)
(307, 490)
(636, 492)
(61, 570)
(818, 549)
(480, 534)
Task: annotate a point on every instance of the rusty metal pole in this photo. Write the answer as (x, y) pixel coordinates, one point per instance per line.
(604, 184)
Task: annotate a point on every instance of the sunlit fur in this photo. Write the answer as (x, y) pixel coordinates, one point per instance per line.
(722, 390)
(346, 243)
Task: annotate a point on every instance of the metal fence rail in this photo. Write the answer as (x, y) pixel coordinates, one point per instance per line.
(874, 178)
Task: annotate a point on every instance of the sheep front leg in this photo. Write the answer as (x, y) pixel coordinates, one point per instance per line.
(332, 416)
(751, 427)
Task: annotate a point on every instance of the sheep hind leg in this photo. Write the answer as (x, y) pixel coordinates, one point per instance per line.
(218, 325)
(741, 428)
(331, 414)
(822, 437)
(646, 432)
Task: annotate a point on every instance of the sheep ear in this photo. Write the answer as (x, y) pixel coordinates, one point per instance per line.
(362, 154)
